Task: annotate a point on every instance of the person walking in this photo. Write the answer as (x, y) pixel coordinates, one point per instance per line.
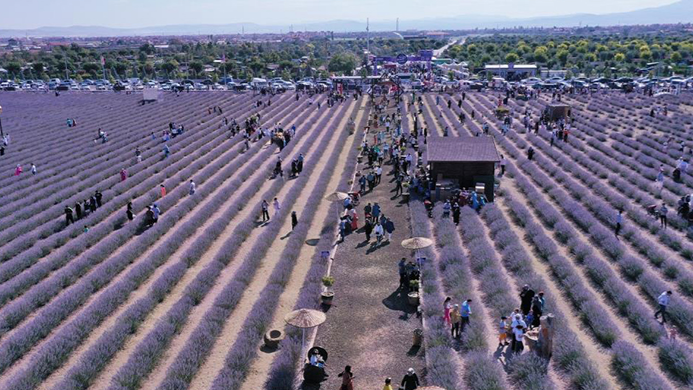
(162, 190)
(192, 187)
(33, 169)
(129, 213)
(663, 215)
(378, 232)
(456, 215)
(447, 307)
(265, 211)
(456, 320)
(166, 151)
(78, 210)
(519, 335)
(619, 220)
(368, 229)
(294, 220)
(503, 163)
(18, 171)
(530, 153)
(362, 184)
(376, 212)
(276, 206)
(138, 154)
(663, 302)
(68, 216)
(465, 313)
(371, 181)
(410, 380)
(347, 379)
(123, 174)
(389, 228)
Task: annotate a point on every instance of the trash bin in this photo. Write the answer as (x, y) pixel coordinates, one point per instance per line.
(418, 336)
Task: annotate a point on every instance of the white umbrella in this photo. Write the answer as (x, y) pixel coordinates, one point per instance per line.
(417, 243)
(305, 318)
(336, 196)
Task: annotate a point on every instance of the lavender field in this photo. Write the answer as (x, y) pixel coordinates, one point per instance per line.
(552, 227)
(184, 304)
(180, 304)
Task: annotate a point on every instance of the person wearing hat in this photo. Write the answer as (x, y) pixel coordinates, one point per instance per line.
(410, 380)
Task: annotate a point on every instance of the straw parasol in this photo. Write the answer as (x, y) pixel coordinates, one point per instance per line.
(417, 243)
(305, 318)
(336, 196)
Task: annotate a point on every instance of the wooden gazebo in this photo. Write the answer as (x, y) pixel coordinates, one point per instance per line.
(465, 161)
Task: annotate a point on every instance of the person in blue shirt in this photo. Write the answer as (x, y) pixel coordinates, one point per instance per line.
(466, 312)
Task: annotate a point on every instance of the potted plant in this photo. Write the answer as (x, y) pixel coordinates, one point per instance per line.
(327, 294)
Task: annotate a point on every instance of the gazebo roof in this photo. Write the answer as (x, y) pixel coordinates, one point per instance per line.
(461, 149)
(558, 105)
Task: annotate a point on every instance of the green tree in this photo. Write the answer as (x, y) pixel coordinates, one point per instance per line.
(38, 67)
(676, 57)
(197, 67)
(511, 57)
(170, 66)
(619, 57)
(343, 62)
(562, 56)
(13, 68)
(540, 54)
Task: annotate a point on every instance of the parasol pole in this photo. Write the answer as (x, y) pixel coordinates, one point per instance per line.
(303, 342)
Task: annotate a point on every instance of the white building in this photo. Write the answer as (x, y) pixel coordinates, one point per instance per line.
(512, 71)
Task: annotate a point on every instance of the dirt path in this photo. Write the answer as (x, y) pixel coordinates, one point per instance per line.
(370, 322)
(287, 301)
(143, 290)
(124, 354)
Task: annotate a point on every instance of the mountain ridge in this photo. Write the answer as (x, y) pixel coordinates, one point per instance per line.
(678, 12)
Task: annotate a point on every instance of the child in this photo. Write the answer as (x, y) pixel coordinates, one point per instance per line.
(529, 319)
(503, 332)
(388, 384)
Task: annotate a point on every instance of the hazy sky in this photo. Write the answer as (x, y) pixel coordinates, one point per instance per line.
(143, 13)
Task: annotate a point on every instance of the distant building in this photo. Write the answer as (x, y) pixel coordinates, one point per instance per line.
(512, 71)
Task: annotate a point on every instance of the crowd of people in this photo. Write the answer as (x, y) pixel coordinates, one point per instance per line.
(83, 209)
